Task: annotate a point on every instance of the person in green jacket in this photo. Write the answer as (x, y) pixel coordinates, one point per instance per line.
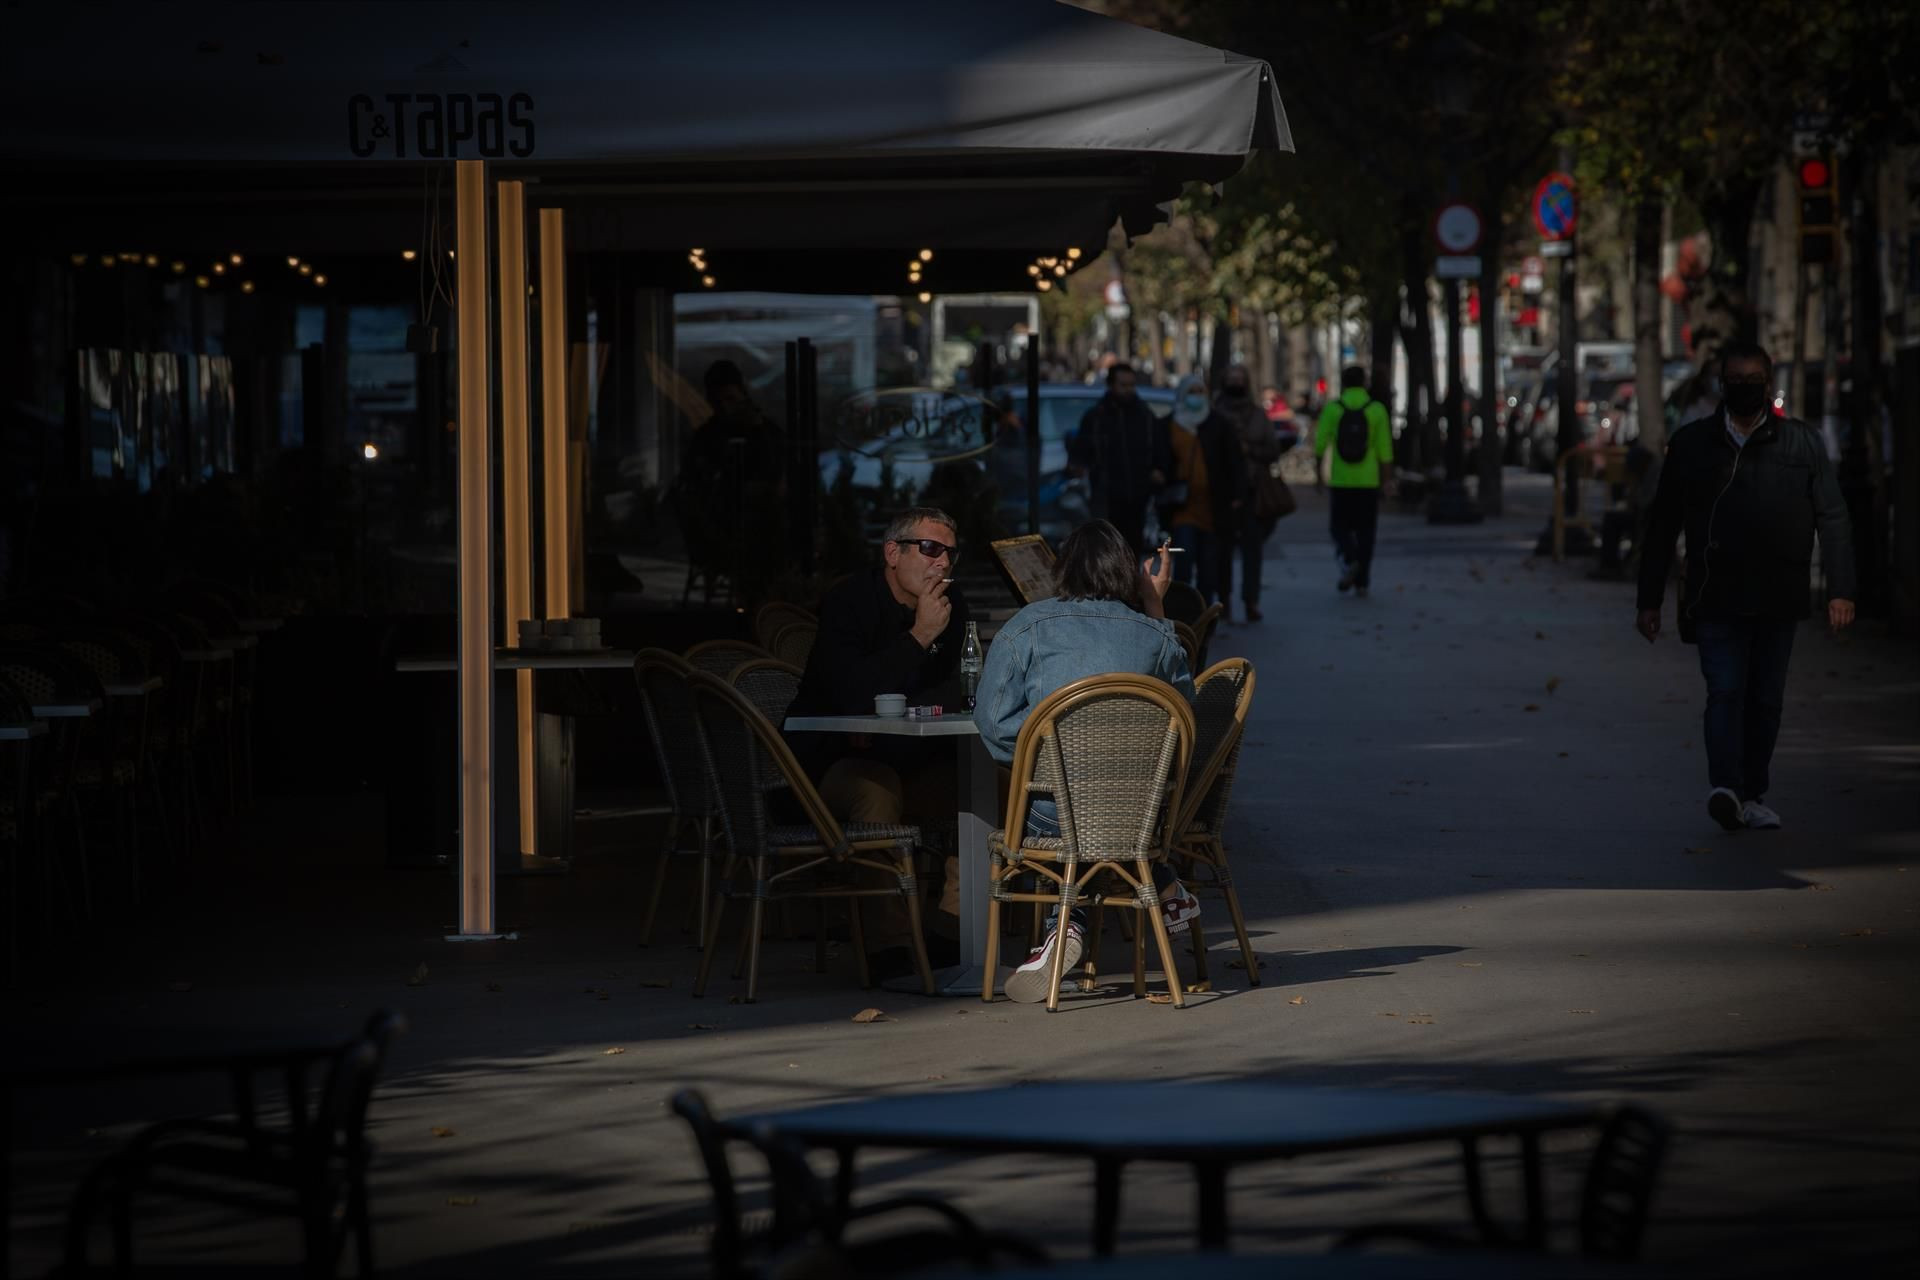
(1356, 428)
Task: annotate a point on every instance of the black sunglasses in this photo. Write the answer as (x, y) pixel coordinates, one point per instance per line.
(930, 549)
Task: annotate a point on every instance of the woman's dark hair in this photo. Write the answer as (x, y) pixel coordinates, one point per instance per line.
(1097, 564)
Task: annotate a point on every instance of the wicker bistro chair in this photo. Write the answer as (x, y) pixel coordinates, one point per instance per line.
(1183, 603)
(1203, 628)
(1113, 752)
(775, 617)
(693, 805)
(719, 657)
(794, 642)
(747, 760)
(1190, 641)
(1222, 695)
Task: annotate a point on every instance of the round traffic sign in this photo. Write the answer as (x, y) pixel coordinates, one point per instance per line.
(1456, 228)
(1556, 212)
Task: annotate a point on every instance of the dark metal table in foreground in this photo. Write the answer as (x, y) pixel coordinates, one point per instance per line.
(1212, 1127)
(1471, 1264)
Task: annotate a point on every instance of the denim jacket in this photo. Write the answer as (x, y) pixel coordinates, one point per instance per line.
(1052, 643)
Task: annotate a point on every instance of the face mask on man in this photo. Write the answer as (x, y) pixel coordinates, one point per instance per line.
(1744, 399)
(1194, 403)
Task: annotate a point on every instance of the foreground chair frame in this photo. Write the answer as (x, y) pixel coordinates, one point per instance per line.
(1223, 694)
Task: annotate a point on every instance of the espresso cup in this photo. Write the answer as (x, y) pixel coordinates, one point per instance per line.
(890, 705)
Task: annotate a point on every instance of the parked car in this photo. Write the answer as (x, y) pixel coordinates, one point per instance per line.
(927, 430)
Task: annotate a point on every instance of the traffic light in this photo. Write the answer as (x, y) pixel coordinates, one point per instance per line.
(1817, 206)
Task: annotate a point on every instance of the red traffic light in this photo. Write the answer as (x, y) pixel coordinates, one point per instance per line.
(1815, 175)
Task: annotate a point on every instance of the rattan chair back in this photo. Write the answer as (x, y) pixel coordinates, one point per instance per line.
(667, 702)
(794, 643)
(1114, 752)
(1190, 642)
(775, 617)
(745, 759)
(1203, 628)
(1182, 603)
(720, 657)
(770, 685)
(1221, 696)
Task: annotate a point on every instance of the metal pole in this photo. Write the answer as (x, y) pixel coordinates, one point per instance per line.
(805, 481)
(1032, 433)
(515, 492)
(1568, 436)
(557, 512)
(1456, 425)
(476, 553)
(1492, 406)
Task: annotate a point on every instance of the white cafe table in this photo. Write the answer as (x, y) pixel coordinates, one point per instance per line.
(979, 811)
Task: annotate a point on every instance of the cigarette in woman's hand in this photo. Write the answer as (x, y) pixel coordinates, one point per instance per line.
(946, 579)
(1173, 548)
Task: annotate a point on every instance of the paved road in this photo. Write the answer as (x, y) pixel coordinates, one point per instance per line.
(1470, 832)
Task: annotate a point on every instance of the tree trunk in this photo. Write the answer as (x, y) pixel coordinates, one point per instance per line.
(1493, 410)
(1263, 370)
(1647, 398)
(1382, 313)
(1416, 337)
(1222, 355)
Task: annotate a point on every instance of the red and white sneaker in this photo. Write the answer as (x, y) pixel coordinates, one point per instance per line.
(1028, 984)
(1178, 907)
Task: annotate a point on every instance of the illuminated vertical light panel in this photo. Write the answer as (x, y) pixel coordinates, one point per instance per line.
(515, 480)
(476, 554)
(555, 488)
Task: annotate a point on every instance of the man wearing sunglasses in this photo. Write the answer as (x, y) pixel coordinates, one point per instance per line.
(895, 628)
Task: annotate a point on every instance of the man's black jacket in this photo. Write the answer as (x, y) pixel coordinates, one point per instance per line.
(1749, 515)
(1121, 444)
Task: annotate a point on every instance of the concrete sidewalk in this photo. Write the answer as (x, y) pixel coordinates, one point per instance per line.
(1471, 838)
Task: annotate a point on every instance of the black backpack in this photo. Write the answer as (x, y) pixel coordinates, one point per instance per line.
(1355, 438)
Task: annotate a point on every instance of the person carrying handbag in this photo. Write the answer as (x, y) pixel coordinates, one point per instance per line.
(1201, 489)
(1269, 499)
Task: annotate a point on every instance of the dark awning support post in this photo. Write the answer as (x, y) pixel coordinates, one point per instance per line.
(1033, 431)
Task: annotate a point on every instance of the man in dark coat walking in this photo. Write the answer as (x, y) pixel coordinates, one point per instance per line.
(1115, 451)
(1749, 490)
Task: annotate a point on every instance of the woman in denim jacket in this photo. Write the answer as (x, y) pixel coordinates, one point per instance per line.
(1105, 617)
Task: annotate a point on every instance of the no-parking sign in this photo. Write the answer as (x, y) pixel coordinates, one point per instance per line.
(1556, 211)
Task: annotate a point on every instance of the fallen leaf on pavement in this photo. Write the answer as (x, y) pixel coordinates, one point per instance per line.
(1159, 997)
(1821, 888)
(1389, 1013)
(656, 982)
(1539, 635)
(1259, 962)
(419, 978)
(612, 1052)
(1553, 682)
(1297, 1000)
(936, 1077)
(494, 986)
(1799, 946)
(1471, 964)
(441, 1131)
(699, 1026)
(1858, 933)
(1531, 706)
(871, 1015)
(463, 1202)
(1563, 755)
(730, 999)
(1199, 988)
(1420, 1021)
(1579, 1011)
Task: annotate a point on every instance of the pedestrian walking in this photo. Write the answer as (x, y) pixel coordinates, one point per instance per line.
(1267, 495)
(1202, 489)
(1114, 449)
(1749, 490)
(1354, 426)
